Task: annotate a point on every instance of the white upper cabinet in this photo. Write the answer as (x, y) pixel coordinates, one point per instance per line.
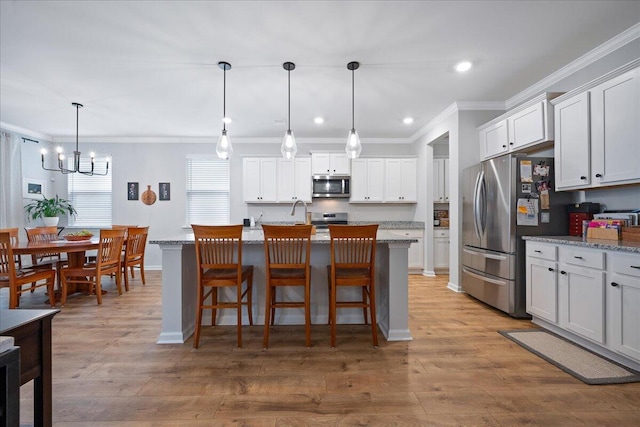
(401, 181)
(441, 180)
(259, 179)
(367, 181)
(597, 130)
(572, 142)
(330, 164)
(526, 126)
(294, 179)
(615, 129)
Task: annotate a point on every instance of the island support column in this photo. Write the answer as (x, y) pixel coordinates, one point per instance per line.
(394, 320)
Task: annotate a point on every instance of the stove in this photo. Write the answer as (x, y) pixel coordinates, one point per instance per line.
(322, 220)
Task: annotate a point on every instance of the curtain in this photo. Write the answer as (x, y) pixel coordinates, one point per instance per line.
(11, 211)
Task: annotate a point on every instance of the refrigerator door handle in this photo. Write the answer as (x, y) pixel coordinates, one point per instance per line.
(485, 278)
(485, 255)
(483, 203)
(476, 208)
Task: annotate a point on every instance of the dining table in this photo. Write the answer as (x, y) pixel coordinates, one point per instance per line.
(75, 250)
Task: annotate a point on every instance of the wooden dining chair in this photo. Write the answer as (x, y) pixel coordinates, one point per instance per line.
(287, 252)
(134, 246)
(108, 262)
(219, 262)
(15, 239)
(45, 260)
(15, 278)
(353, 254)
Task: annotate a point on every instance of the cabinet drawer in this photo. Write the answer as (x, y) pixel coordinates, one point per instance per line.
(440, 233)
(413, 234)
(582, 257)
(542, 251)
(623, 263)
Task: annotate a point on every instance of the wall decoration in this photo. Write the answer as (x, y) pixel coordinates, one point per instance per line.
(132, 191)
(33, 188)
(165, 191)
(148, 196)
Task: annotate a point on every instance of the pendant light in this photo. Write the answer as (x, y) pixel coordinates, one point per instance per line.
(354, 147)
(289, 147)
(224, 150)
(76, 155)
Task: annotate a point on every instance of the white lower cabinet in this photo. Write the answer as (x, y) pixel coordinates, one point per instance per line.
(441, 249)
(542, 281)
(623, 294)
(589, 295)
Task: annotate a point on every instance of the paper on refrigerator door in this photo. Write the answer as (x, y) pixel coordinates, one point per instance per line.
(527, 212)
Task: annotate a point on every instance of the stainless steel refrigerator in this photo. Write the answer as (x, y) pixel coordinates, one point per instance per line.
(504, 199)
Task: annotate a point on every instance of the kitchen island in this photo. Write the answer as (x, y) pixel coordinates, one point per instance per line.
(179, 286)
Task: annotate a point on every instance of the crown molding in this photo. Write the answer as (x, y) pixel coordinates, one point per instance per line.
(590, 57)
(213, 140)
(454, 108)
(25, 132)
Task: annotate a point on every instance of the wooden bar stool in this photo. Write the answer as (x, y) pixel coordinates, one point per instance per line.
(287, 254)
(353, 254)
(219, 261)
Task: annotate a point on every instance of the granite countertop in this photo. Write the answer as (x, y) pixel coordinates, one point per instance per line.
(383, 225)
(255, 237)
(612, 245)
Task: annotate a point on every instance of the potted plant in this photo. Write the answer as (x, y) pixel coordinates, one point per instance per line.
(49, 210)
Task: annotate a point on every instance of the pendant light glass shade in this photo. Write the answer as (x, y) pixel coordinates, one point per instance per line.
(289, 147)
(354, 147)
(224, 150)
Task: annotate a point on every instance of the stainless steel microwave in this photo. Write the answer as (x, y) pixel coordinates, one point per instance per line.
(331, 186)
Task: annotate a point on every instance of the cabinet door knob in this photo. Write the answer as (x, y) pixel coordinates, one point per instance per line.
(583, 177)
(614, 284)
(551, 269)
(504, 146)
(598, 175)
(511, 143)
(563, 272)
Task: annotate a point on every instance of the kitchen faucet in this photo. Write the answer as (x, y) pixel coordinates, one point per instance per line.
(307, 218)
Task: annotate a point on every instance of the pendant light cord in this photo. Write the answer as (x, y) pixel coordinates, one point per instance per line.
(353, 97)
(289, 99)
(224, 98)
(77, 119)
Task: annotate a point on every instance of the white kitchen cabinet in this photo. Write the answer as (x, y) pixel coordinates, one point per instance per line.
(615, 128)
(581, 292)
(401, 180)
(494, 139)
(416, 250)
(441, 180)
(526, 126)
(597, 127)
(260, 180)
(542, 281)
(330, 164)
(572, 143)
(623, 294)
(367, 181)
(441, 247)
(294, 179)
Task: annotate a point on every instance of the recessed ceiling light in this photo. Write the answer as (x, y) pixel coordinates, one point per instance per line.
(407, 120)
(227, 120)
(318, 120)
(463, 66)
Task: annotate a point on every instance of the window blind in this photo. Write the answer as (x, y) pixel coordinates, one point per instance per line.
(208, 183)
(91, 196)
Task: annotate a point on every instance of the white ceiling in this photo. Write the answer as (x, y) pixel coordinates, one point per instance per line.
(149, 68)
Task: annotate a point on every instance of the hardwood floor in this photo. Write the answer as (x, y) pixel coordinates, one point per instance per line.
(458, 370)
